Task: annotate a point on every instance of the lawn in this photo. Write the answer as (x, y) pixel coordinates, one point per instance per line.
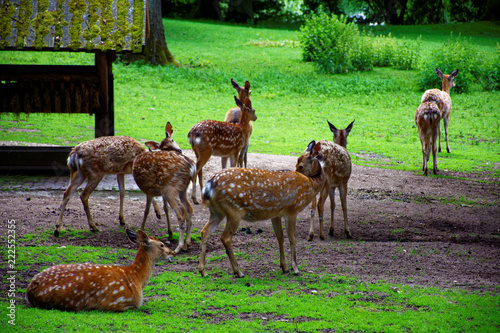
(291, 99)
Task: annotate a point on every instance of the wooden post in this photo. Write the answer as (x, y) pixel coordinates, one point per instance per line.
(104, 119)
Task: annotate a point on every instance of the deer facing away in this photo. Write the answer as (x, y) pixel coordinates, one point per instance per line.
(233, 116)
(211, 137)
(79, 287)
(443, 101)
(256, 195)
(427, 118)
(96, 158)
(167, 173)
(337, 168)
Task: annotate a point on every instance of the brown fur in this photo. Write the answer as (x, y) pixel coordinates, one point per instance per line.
(256, 195)
(443, 100)
(80, 287)
(167, 173)
(427, 118)
(211, 137)
(96, 158)
(233, 116)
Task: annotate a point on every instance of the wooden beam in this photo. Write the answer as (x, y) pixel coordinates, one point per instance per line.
(104, 121)
(52, 160)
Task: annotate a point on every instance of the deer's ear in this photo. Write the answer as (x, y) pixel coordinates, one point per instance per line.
(332, 128)
(310, 147)
(248, 103)
(168, 130)
(247, 85)
(238, 102)
(439, 73)
(152, 145)
(143, 238)
(349, 128)
(453, 74)
(131, 235)
(235, 85)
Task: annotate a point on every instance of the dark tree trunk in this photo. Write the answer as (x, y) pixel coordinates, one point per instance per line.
(155, 51)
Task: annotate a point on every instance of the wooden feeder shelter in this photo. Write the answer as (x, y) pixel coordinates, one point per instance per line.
(103, 27)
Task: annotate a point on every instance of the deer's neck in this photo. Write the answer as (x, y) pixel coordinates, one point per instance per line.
(445, 85)
(142, 267)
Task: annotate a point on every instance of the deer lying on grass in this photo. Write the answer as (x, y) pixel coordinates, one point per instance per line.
(233, 116)
(211, 137)
(256, 195)
(443, 101)
(80, 287)
(106, 155)
(337, 168)
(427, 118)
(167, 173)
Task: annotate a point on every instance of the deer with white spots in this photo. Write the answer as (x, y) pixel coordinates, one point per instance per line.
(92, 160)
(167, 174)
(212, 137)
(233, 116)
(256, 195)
(80, 287)
(443, 101)
(337, 168)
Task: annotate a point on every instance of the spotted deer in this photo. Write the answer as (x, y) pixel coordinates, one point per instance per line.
(337, 168)
(256, 195)
(92, 160)
(80, 287)
(233, 116)
(443, 101)
(211, 137)
(427, 118)
(167, 174)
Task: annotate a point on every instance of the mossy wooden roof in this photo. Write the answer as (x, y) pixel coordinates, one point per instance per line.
(73, 25)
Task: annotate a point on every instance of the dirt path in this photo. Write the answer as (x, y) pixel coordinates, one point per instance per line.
(407, 229)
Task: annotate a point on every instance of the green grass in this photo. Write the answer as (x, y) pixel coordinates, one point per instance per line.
(185, 301)
(292, 101)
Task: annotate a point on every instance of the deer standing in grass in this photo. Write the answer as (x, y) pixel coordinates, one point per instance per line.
(211, 137)
(167, 173)
(256, 195)
(337, 168)
(427, 118)
(79, 287)
(443, 101)
(233, 116)
(106, 155)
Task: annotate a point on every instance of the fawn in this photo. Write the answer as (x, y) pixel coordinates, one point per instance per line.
(167, 173)
(443, 101)
(427, 118)
(96, 158)
(211, 137)
(79, 287)
(337, 168)
(256, 195)
(233, 116)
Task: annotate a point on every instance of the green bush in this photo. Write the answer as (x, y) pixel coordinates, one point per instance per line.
(337, 46)
(334, 45)
(476, 69)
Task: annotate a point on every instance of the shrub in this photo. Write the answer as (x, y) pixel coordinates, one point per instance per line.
(475, 67)
(406, 54)
(333, 44)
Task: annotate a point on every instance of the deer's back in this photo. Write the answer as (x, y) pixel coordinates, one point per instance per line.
(108, 155)
(259, 194)
(337, 166)
(154, 171)
(441, 98)
(219, 136)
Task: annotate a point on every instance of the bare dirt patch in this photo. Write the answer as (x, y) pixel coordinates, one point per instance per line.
(407, 229)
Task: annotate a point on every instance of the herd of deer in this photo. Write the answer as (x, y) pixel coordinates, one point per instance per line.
(235, 194)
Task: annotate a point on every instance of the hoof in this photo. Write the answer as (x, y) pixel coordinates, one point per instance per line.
(203, 273)
(331, 233)
(322, 237)
(94, 230)
(310, 237)
(239, 275)
(348, 235)
(158, 216)
(56, 233)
